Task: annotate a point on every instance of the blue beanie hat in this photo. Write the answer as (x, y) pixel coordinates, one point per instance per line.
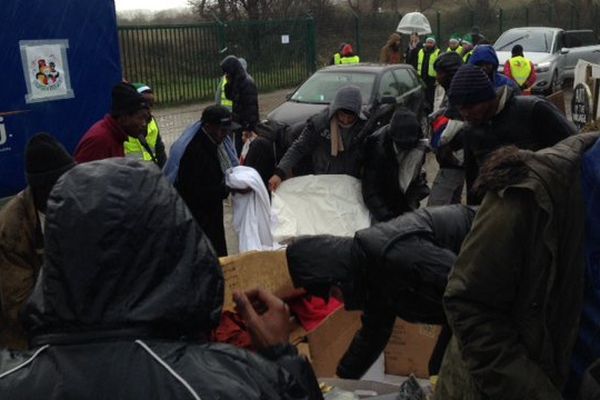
(470, 85)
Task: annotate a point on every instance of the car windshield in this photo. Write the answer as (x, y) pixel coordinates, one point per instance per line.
(533, 41)
(322, 86)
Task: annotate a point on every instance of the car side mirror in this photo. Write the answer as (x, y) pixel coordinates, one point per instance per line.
(388, 100)
(564, 50)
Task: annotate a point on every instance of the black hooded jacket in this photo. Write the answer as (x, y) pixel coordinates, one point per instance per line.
(242, 91)
(380, 185)
(528, 122)
(393, 269)
(129, 287)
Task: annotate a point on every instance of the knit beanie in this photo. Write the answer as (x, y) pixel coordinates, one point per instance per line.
(470, 85)
(45, 160)
(404, 128)
(448, 62)
(126, 100)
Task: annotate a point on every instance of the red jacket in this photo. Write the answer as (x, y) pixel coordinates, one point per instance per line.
(103, 140)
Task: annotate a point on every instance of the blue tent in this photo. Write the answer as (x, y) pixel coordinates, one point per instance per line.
(59, 61)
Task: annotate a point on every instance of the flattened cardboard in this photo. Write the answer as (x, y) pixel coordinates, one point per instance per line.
(410, 348)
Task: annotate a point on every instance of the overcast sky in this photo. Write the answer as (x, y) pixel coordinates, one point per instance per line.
(154, 5)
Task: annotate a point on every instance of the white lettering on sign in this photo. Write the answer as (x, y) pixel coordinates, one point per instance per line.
(3, 136)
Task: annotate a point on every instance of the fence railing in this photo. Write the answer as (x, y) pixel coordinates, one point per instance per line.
(181, 63)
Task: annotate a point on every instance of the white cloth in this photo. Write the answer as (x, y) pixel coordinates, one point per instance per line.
(251, 211)
(318, 204)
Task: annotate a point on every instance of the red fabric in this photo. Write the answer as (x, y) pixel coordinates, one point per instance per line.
(232, 330)
(395, 57)
(532, 76)
(311, 311)
(103, 140)
(347, 51)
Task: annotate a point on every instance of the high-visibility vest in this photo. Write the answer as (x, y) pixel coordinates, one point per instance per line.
(350, 60)
(134, 149)
(520, 69)
(337, 57)
(432, 58)
(467, 56)
(459, 50)
(225, 102)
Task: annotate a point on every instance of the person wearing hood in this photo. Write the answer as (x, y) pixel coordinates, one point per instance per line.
(484, 57)
(500, 118)
(332, 137)
(129, 117)
(22, 233)
(391, 53)
(426, 58)
(241, 90)
(516, 299)
(393, 269)
(447, 140)
(347, 55)
(128, 294)
(394, 181)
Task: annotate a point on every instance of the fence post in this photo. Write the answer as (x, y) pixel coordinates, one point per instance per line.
(220, 33)
(526, 16)
(311, 47)
(356, 32)
(500, 16)
(439, 29)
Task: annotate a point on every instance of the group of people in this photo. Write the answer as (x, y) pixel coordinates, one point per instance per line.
(110, 282)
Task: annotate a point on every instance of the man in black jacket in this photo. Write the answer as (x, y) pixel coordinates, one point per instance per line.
(499, 118)
(332, 138)
(394, 181)
(393, 269)
(242, 91)
(200, 179)
(129, 289)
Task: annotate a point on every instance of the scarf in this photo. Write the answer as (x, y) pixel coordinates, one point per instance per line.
(337, 144)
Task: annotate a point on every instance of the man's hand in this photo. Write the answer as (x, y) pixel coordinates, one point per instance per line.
(274, 182)
(267, 317)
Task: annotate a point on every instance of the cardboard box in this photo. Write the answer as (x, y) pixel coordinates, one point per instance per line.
(326, 344)
(410, 348)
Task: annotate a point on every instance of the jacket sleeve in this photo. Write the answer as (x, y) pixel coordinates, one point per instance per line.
(302, 146)
(161, 154)
(368, 343)
(480, 296)
(248, 107)
(299, 368)
(550, 125)
(373, 182)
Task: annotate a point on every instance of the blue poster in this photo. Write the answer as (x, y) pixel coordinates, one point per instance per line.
(59, 65)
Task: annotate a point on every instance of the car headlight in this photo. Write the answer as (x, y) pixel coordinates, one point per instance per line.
(543, 67)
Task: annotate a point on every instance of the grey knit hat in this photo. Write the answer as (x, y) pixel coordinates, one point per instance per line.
(470, 85)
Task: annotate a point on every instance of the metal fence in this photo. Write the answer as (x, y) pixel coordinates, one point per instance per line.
(181, 63)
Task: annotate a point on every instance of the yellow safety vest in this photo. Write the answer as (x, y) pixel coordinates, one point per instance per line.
(467, 56)
(520, 69)
(225, 102)
(134, 149)
(459, 50)
(350, 60)
(337, 57)
(432, 58)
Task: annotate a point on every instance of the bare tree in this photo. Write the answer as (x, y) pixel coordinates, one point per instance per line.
(256, 9)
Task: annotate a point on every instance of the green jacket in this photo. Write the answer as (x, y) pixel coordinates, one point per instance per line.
(21, 253)
(514, 298)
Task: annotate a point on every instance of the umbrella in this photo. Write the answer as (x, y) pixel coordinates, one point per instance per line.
(414, 22)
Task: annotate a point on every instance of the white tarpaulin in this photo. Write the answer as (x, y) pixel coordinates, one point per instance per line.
(318, 204)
